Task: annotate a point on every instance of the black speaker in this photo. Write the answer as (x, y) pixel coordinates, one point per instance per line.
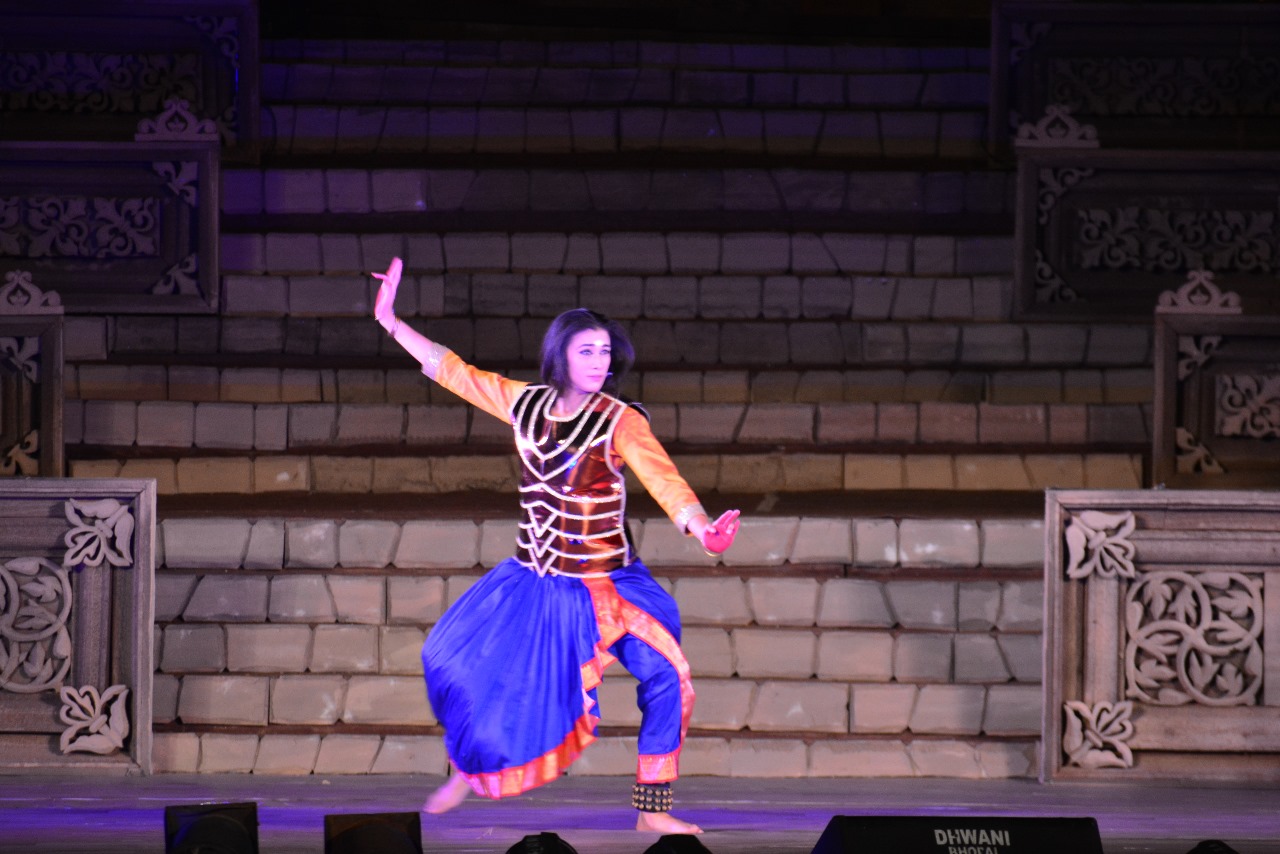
(211, 829)
(1213, 846)
(541, 843)
(677, 843)
(373, 833)
(856, 834)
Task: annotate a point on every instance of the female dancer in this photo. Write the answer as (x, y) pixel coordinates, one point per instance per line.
(513, 666)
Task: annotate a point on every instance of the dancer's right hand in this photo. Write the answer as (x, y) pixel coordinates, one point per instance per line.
(384, 305)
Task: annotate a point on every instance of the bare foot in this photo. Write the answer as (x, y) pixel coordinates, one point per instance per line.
(448, 796)
(664, 822)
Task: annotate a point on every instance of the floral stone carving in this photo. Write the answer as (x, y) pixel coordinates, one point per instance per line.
(1099, 542)
(95, 723)
(1097, 736)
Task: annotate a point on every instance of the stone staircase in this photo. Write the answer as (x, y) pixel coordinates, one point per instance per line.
(814, 257)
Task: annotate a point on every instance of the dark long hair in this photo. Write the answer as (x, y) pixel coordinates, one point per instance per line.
(555, 344)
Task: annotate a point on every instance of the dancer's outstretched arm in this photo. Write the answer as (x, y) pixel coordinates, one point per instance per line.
(422, 348)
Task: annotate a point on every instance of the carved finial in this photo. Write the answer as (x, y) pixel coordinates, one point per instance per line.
(20, 296)
(177, 123)
(1057, 129)
(1200, 295)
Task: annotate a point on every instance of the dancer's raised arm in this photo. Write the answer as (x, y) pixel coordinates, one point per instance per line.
(422, 348)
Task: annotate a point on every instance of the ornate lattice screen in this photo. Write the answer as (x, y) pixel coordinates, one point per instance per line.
(1162, 620)
(76, 616)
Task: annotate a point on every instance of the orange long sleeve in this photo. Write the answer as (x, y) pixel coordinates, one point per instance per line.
(640, 449)
(493, 393)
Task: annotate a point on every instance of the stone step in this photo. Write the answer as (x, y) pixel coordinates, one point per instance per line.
(625, 53)
(834, 258)
(745, 472)
(317, 130)
(276, 632)
(540, 84)
(942, 355)
(951, 390)
(474, 193)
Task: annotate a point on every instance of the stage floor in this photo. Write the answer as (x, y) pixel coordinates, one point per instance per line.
(105, 815)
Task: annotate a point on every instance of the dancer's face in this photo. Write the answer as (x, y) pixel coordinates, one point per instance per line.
(588, 354)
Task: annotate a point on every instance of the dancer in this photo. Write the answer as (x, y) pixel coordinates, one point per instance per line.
(513, 666)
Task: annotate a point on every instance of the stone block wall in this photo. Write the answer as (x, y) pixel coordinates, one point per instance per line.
(824, 646)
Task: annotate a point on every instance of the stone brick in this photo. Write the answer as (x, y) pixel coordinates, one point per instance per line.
(855, 656)
(991, 472)
(938, 542)
(387, 700)
(712, 601)
(193, 649)
(767, 758)
(978, 659)
(175, 752)
(347, 754)
(944, 759)
(823, 541)
(922, 604)
(301, 598)
(437, 544)
(411, 754)
(1112, 471)
(204, 543)
(774, 652)
(223, 700)
(979, 605)
(1003, 760)
(928, 471)
(270, 427)
(110, 422)
(455, 474)
(853, 602)
(807, 706)
(617, 701)
(777, 423)
(266, 545)
(873, 471)
(228, 599)
(922, 658)
(224, 425)
(704, 757)
(400, 650)
(477, 251)
(367, 543)
(1012, 710)
(762, 541)
(955, 423)
(1012, 542)
(1021, 606)
(359, 599)
(722, 704)
(311, 544)
(287, 755)
(709, 651)
(881, 708)
(633, 252)
(1012, 423)
(227, 754)
(165, 424)
(344, 649)
(949, 710)
(268, 649)
(783, 601)
(1022, 653)
(859, 759)
(846, 422)
(315, 700)
(666, 545)
(171, 594)
(281, 474)
(415, 600)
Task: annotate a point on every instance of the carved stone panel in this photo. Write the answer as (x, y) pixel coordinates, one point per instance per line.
(1217, 402)
(1149, 75)
(76, 621)
(113, 226)
(1101, 234)
(30, 379)
(93, 71)
(1162, 635)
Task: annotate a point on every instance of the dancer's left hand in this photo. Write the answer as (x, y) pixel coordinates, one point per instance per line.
(718, 536)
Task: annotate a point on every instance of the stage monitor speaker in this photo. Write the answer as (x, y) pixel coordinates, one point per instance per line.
(541, 843)
(211, 829)
(373, 833)
(929, 834)
(677, 843)
(1213, 846)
